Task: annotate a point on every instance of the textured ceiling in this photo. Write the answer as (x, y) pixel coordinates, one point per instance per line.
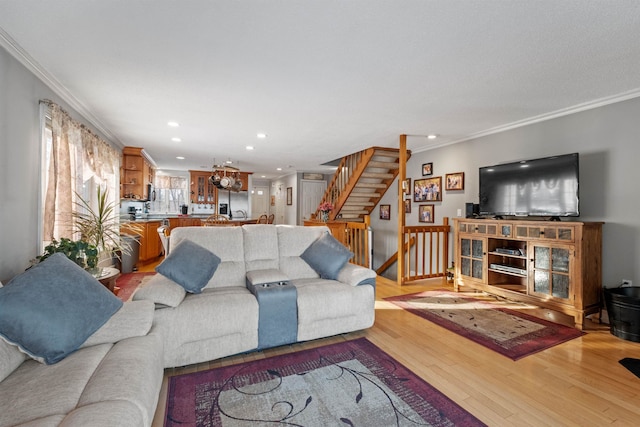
(322, 78)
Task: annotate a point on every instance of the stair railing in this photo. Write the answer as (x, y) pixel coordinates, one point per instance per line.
(355, 236)
(429, 256)
(348, 172)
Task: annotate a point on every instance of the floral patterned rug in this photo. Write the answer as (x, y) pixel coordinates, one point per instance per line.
(510, 332)
(353, 383)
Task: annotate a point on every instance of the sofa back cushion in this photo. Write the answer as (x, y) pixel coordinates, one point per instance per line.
(260, 247)
(292, 242)
(226, 243)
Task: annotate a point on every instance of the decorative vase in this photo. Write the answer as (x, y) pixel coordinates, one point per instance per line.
(324, 216)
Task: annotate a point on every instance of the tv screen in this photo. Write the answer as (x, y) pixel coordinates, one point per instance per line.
(538, 187)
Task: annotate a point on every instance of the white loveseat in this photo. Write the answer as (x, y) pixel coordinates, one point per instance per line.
(225, 318)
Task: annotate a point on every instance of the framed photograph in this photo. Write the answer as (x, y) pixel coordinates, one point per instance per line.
(407, 206)
(454, 181)
(425, 213)
(427, 169)
(407, 187)
(289, 196)
(427, 190)
(385, 211)
(273, 200)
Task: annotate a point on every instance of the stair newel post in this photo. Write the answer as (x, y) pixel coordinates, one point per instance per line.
(402, 172)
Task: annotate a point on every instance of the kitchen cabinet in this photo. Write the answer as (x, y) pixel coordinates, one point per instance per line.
(201, 189)
(150, 244)
(557, 265)
(136, 173)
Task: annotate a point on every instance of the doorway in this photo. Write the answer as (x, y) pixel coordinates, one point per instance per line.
(259, 202)
(311, 195)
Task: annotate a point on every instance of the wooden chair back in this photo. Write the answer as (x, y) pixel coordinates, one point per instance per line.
(271, 218)
(215, 220)
(262, 219)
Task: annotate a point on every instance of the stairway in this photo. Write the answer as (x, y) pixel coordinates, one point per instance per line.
(360, 182)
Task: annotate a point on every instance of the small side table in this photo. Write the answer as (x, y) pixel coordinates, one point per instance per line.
(108, 278)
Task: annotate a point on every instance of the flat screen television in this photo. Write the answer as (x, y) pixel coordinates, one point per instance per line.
(538, 187)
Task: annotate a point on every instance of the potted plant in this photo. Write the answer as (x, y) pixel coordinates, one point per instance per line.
(100, 226)
(82, 253)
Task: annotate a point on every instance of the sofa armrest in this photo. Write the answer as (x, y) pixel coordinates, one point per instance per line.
(162, 291)
(134, 319)
(355, 275)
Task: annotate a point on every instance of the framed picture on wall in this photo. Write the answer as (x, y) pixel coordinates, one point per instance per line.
(425, 213)
(407, 206)
(289, 196)
(407, 187)
(427, 190)
(454, 181)
(385, 211)
(427, 169)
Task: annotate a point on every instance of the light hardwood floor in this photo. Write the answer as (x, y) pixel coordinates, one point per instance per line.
(577, 383)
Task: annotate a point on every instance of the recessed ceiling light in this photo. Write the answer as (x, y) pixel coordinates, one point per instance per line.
(261, 135)
(432, 136)
(176, 139)
(278, 169)
(249, 147)
(263, 176)
(179, 157)
(173, 124)
(229, 162)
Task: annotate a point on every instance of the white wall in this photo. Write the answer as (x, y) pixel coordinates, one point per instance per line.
(607, 139)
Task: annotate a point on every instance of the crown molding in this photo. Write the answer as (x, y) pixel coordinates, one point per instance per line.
(15, 50)
(624, 96)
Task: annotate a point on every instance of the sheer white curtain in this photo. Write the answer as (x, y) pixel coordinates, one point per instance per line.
(75, 161)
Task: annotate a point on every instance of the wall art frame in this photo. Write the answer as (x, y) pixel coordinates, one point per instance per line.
(454, 181)
(427, 190)
(425, 213)
(407, 187)
(385, 212)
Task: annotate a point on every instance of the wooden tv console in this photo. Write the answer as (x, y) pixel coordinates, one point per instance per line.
(550, 264)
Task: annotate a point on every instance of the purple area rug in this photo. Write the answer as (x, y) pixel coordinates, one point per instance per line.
(353, 383)
(512, 333)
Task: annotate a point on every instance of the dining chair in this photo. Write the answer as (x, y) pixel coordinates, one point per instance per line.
(215, 220)
(163, 232)
(271, 218)
(262, 219)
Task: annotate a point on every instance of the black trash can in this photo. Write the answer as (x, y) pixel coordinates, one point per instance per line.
(129, 261)
(623, 308)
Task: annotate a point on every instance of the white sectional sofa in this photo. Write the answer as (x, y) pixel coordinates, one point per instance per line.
(224, 319)
(54, 374)
(259, 292)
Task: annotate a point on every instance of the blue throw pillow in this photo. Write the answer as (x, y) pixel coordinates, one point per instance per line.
(52, 308)
(327, 256)
(189, 265)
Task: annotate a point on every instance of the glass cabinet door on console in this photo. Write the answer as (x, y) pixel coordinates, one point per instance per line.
(472, 258)
(551, 267)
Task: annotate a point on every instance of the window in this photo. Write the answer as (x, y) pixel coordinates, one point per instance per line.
(75, 161)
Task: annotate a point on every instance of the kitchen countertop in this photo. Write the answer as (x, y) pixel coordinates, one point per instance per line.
(160, 217)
